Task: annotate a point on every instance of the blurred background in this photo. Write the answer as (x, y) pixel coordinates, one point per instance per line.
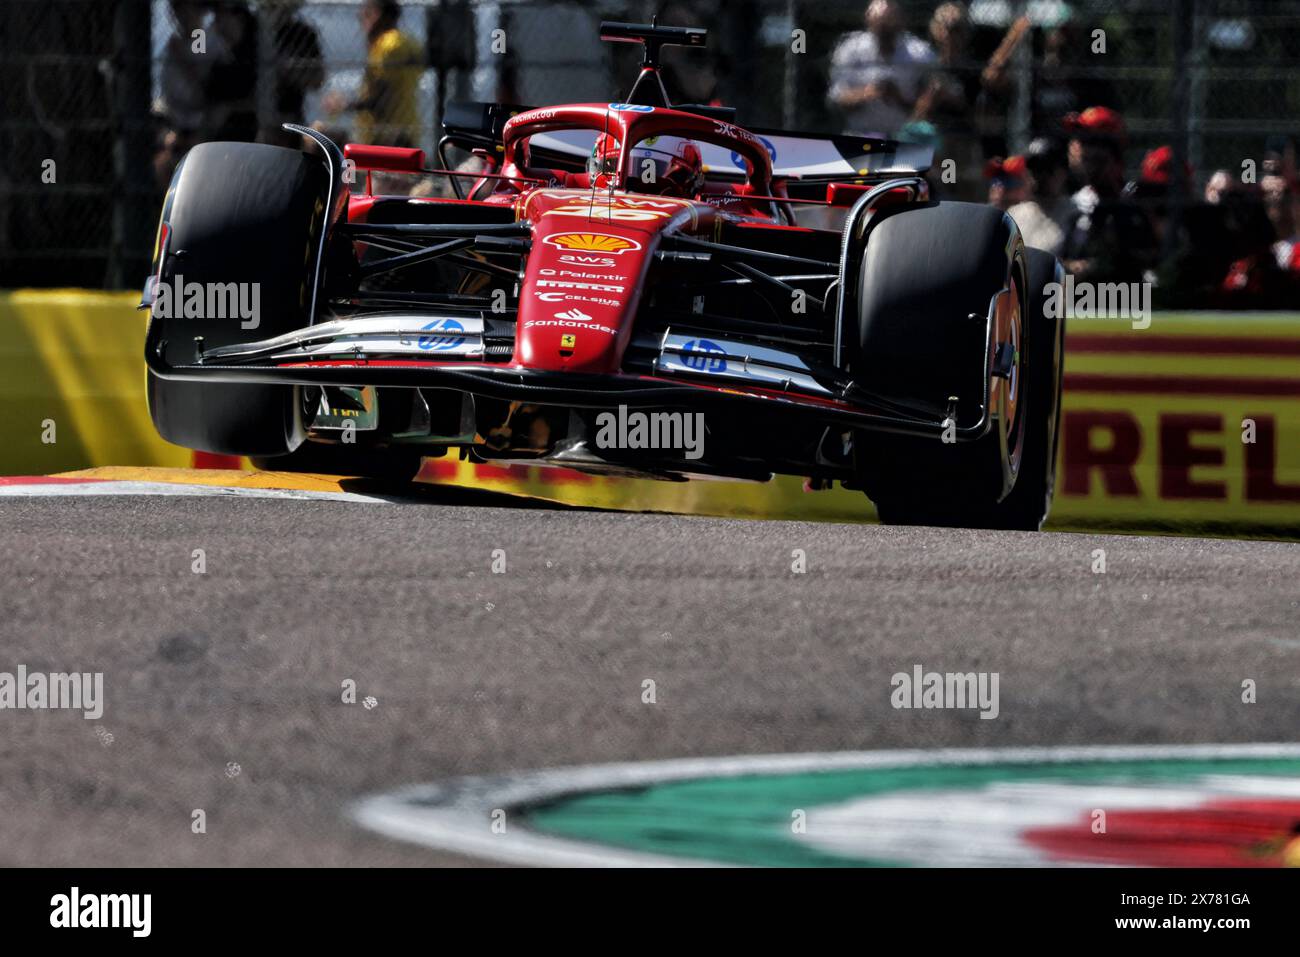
(114, 91)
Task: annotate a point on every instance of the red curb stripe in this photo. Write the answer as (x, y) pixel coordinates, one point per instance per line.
(1183, 345)
(47, 480)
(1206, 386)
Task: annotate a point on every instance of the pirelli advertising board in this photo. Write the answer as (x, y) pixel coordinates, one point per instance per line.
(1193, 420)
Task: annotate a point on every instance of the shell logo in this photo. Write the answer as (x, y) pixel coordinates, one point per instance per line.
(592, 242)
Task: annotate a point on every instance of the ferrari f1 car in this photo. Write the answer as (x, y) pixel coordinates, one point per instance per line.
(612, 259)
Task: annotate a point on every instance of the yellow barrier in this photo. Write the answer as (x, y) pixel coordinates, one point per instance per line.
(1191, 423)
(72, 383)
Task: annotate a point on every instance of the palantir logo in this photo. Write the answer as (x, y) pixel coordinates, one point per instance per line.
(448, 339)
(702, 355)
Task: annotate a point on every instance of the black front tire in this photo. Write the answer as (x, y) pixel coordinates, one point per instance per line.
(925, 272)
(238, 213)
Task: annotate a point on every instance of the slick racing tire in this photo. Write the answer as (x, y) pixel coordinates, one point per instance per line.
(240, 213)
(928, 280)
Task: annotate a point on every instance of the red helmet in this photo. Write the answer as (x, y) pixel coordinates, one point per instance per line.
(667, 166)
(685, 175)
(602, 166)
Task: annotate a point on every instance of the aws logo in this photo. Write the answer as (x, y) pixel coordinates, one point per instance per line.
(600, 262)
(591, 243)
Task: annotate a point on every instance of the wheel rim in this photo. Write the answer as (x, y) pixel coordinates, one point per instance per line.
(1012, 384)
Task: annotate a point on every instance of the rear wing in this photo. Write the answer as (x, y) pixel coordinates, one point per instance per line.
(818, 158)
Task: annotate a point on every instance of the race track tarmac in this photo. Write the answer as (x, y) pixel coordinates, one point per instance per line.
(223, 688)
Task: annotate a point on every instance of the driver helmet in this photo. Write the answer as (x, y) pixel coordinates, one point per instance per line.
(602, 166)
(675, 165)
(685, 175)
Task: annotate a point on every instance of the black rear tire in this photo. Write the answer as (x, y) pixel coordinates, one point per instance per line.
(241, 213)
(925, 271)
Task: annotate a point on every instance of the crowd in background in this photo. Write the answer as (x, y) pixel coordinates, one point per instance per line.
(209, 84)
(1233, 244)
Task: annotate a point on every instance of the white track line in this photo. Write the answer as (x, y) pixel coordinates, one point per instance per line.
(172, 489)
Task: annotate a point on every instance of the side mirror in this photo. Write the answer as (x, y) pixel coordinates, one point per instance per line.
(844, 194)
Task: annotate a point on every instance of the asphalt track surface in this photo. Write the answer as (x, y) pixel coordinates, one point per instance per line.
(478, 673)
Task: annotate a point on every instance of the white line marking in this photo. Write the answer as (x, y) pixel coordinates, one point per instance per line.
(455, 815)
(110, 487)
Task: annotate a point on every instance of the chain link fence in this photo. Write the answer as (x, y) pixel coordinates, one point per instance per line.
(102, 97)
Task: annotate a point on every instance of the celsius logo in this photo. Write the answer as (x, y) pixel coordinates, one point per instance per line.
(574, 313)
(592, 243)
(701, 355)
(443, 342)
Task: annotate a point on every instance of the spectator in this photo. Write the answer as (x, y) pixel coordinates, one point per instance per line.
(878, 74)
(1108, 238)
(950, 93)
(183, 102)
(951, 100)
(208, 81)
(232, 88)
(386, 106)
(1006, 181)
(1280, 160)
(1254, 279)
(1063, 83)
(1154, 186)
(298, 68)
(1046, 209)
(1281, 205)
(1219, 184)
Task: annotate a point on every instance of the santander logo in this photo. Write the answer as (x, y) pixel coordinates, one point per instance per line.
(575, 314)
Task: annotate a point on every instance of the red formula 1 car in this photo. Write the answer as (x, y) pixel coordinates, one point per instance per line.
(620, 288)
